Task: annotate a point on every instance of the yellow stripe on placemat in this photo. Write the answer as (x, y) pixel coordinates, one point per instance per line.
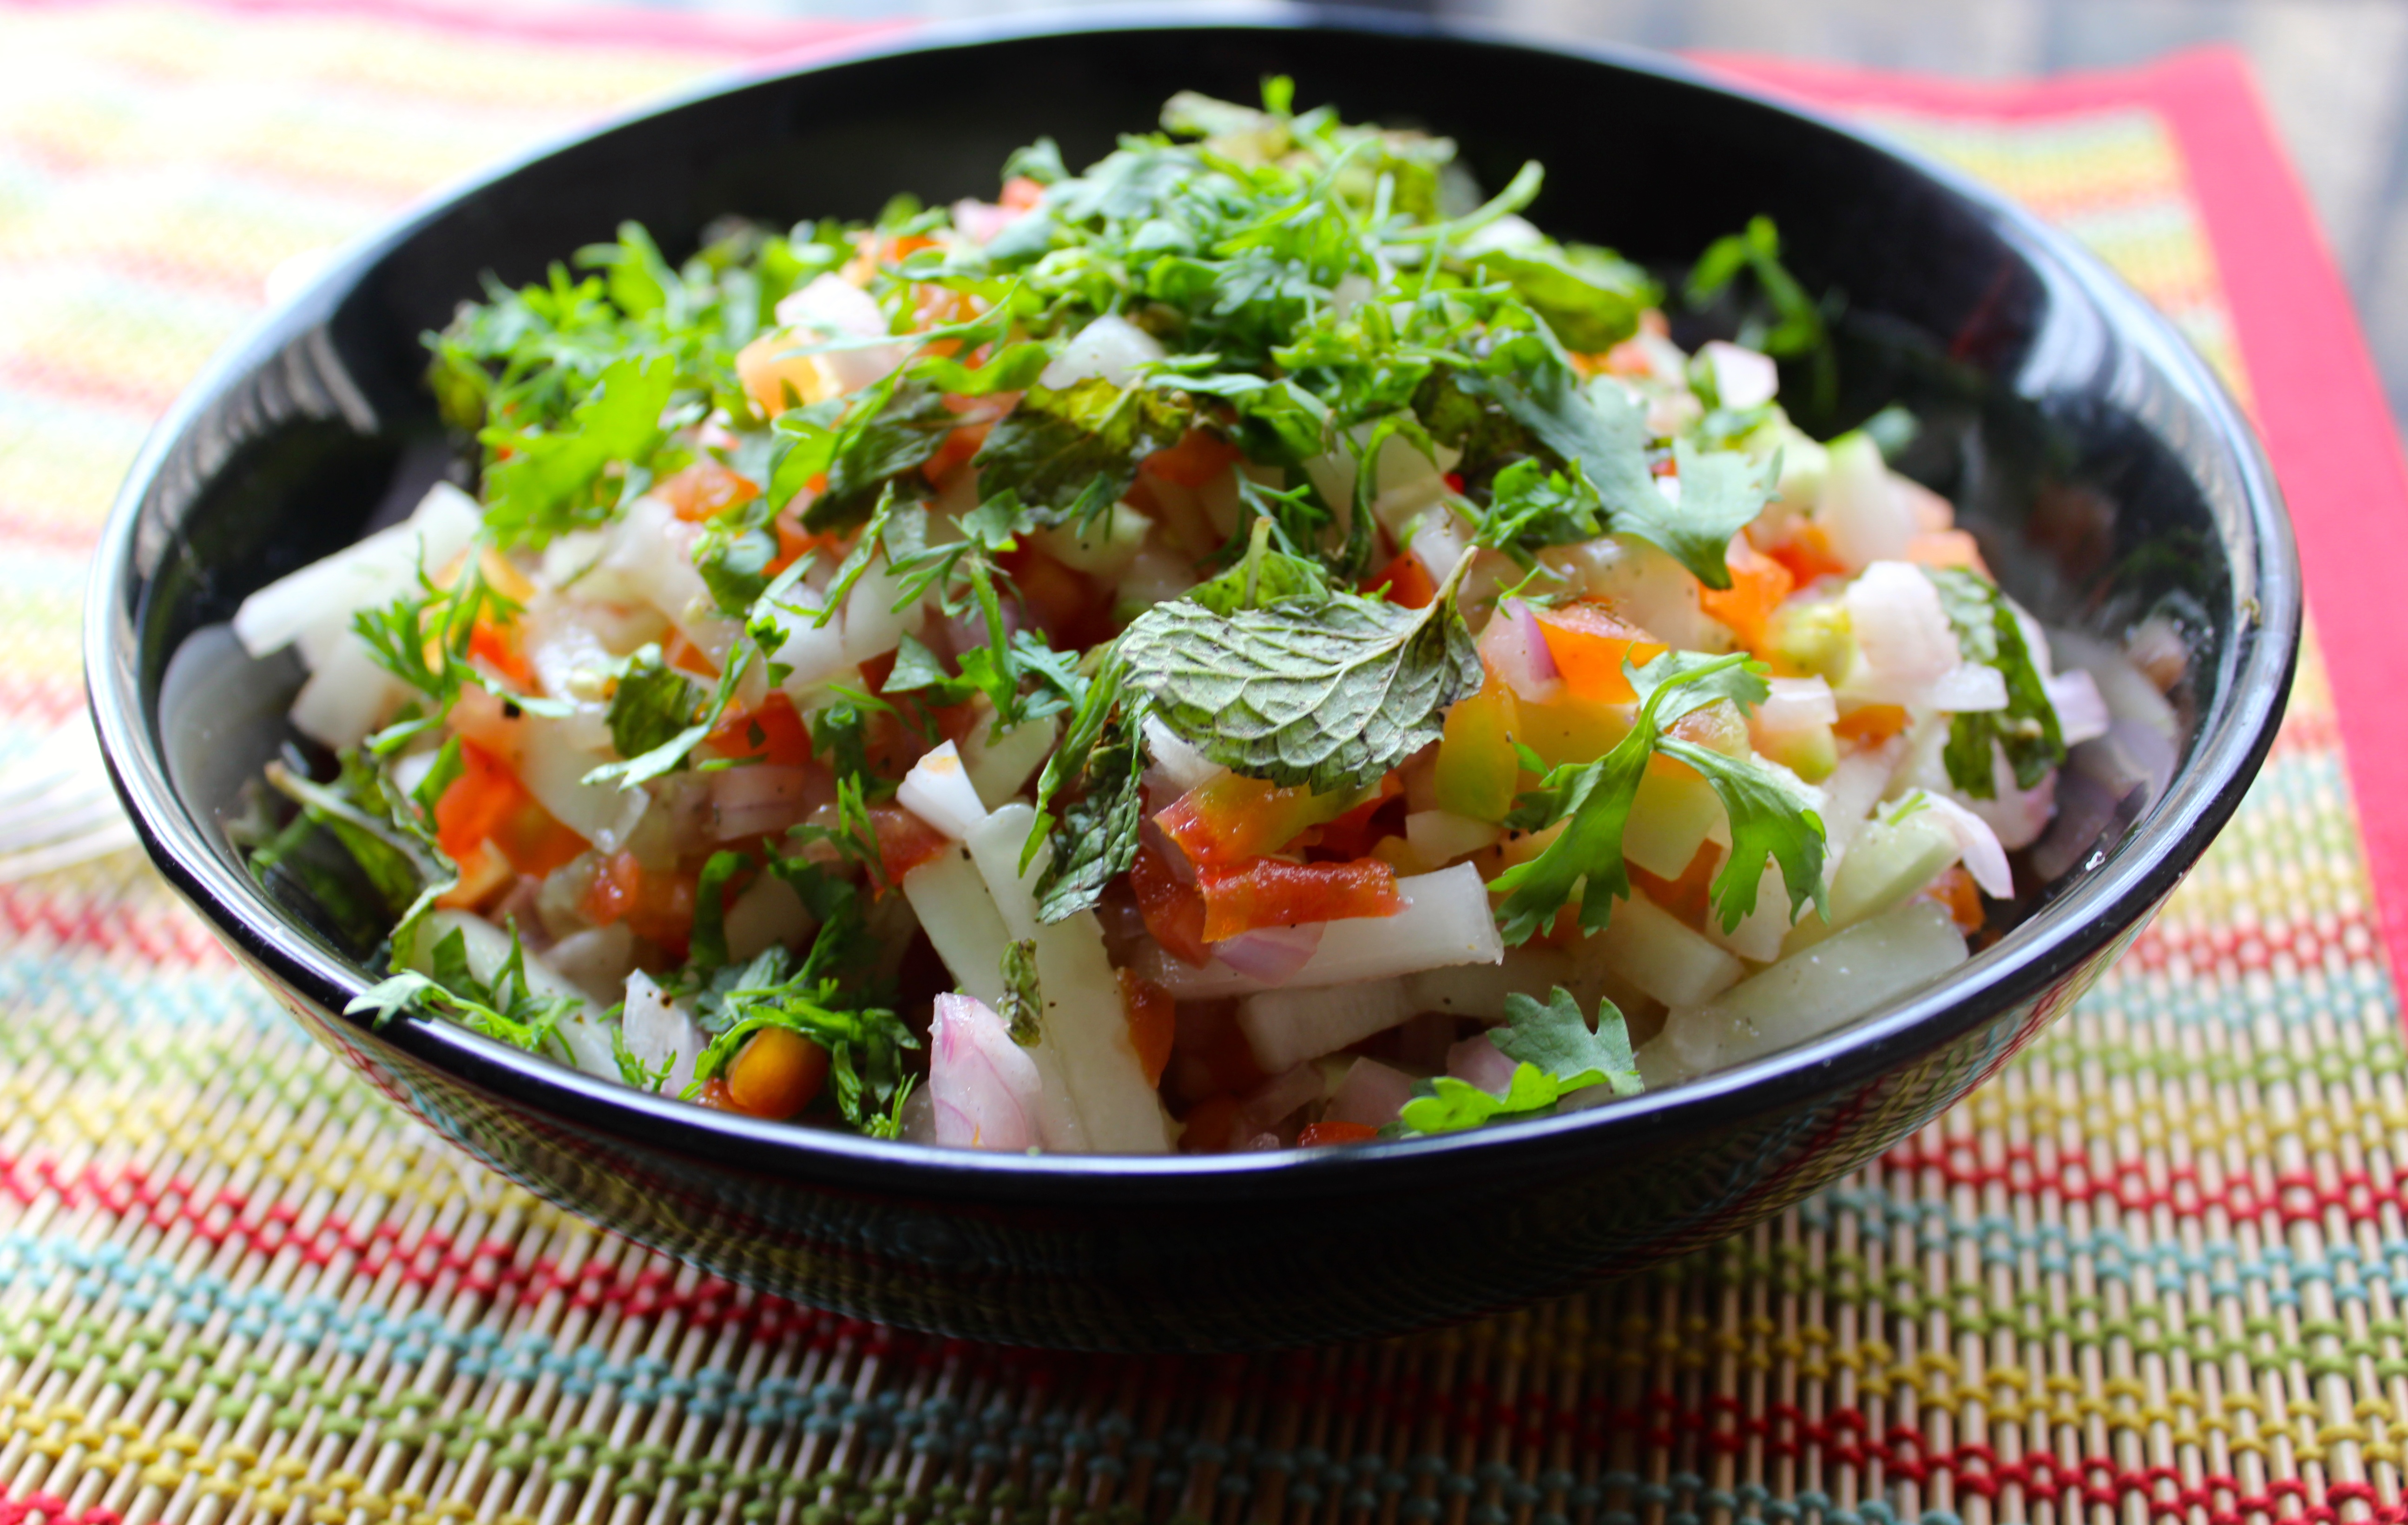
(2156, 1266)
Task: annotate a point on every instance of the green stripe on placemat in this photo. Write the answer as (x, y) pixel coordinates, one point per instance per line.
(2156, 1267)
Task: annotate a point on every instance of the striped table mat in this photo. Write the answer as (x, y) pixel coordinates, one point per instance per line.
(2154, 1268)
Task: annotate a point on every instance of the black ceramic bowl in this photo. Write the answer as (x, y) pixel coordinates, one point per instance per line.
(2104, 471)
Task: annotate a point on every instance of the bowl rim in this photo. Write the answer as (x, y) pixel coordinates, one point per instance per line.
(2237, 730)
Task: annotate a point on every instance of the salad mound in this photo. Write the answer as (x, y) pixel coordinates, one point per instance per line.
(1247, 644)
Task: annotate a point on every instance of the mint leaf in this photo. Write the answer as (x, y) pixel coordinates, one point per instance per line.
(1554, 1037)
(1075, 448)
(545, 485)
(652, 703)
(888, 430)
(1100, 835)
(1023, 1000)
(1328, 691)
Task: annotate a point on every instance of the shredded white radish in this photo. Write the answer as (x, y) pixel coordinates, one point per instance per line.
(1967, 688)
(660, 1031)
(1657, 951)
(998, 765)
(375, 571)
(984, 1086)
(939, 791)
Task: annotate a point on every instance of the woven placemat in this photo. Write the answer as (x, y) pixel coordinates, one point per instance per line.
(2154, 1268)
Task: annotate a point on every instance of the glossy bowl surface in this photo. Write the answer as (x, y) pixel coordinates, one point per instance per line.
(2105, 472)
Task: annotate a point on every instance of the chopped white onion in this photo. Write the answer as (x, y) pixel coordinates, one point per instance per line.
(1904, 641)
(2082, 712)
(595, 960)
(1742, 377)
(1976, 843)
(767, 915)
(1796, 702)
(347, 697)
(1111, 347)
(832, 306)
(1862, 517)
(1180, 763)
(1967, 688)
(984, 1087)
(939, 791)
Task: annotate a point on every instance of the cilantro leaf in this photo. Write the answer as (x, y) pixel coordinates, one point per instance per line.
(1453, 1105)
(1590, 296)
(708, 940)
(649, 712)
(1987, 632)
(1584, 862)
(1554, 1036)
(733, 554)
(545, 485)
(1721, 494)
(1330, 689)
(1531, 507)
(1766, 818)
(1072, 450)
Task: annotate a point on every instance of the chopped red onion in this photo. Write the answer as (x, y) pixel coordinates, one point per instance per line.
(1276, 1100)
(1516, 649)
(748, 801)
(1371, 1094)
(1477, 1062)
(1270, 953)
(982, 1087)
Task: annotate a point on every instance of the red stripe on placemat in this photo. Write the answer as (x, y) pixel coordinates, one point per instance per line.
(737, 36)
(2319, 402)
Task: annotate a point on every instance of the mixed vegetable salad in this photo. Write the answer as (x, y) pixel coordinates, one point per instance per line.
(1247, 644)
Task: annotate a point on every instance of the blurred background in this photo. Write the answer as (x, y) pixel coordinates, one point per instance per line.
(2335, 74)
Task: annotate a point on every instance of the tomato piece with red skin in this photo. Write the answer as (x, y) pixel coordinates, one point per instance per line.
(1153, 1022)
(1199, 456)
(1318, 1135)
(1407, 581)
(1173, 908)
(1273, 892)
(904, 841)
(1230, 818)
(705, 489)
(655, 904)
(773, 733)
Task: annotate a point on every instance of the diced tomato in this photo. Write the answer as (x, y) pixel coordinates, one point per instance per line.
(1758, 584)
(1478, 768)
(484, 874)
(1627, 358)
(1589, 643)
(1870, 723)
(1272, 892)
(1317, 1135)
(1208, 1124)
(1019, 193)
(1210, 1055)
(1351, 834)
(1946, 548)
(1956, 893)
(1807, 553)
(499, 646)
(714, 1095)
(776, 1073)
(1688, 896)
(657, 904)
(773, 733)
(705, 489)
(1407, 580)
(1199, 456)
(1453, 481)
(477, 802)
(1062, 602)
(1173, 909)
(904, 841)
(1153, 1022)
(534, 840)
(1232, 819)
(955, 452)
(686, 656)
